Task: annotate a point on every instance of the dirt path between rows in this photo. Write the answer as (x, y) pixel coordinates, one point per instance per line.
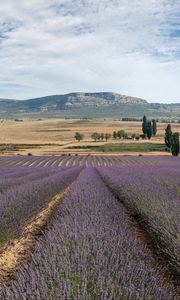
(14, 255)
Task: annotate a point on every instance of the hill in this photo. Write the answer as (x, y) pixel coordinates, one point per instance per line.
(76, 105)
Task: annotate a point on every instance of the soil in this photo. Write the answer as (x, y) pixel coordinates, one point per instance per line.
(14, 255)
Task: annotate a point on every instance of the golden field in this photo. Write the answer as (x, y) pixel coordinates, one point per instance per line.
(53, 136)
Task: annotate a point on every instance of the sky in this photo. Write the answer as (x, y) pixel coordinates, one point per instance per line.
(131, 47)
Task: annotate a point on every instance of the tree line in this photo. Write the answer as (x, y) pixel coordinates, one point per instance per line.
(120, 134)
(149, 130)
(149, 127)
(95, 136)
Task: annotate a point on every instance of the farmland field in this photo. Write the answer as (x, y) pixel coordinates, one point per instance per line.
(56, 137)
(114, 232)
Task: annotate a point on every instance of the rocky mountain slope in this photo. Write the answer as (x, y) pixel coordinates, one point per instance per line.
(102, 104)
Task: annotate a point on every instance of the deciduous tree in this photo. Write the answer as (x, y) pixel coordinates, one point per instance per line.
(102, 136)
(115, 135)
(107, 136)
(121, 134)
(95, 136)
(79, 136)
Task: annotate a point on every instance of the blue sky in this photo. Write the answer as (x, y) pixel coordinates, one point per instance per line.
(55, 47)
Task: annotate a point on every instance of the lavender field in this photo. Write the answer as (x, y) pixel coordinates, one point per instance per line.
(115, 234)
(88, 160)
(23, 192)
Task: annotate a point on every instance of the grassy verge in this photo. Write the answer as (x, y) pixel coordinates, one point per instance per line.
(131, 147)
(18, 147)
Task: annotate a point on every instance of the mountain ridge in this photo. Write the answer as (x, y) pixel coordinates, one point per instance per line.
(109, 96)
(79, 104)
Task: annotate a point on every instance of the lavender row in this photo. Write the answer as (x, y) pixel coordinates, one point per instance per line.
(9, 172)
(152, 194)
(21, 175)
(89, 252)
(19, 204)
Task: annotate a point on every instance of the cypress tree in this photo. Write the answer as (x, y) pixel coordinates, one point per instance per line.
(154, 127)
(144, 125)
(175, 144)
(149, 130)
(168, 136)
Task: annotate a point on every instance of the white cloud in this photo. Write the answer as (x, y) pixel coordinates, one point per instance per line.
(54, 47)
